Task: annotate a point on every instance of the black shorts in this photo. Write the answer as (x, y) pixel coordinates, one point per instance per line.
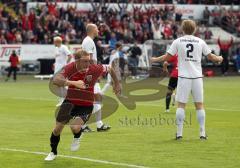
(172, 84)
(68, 111)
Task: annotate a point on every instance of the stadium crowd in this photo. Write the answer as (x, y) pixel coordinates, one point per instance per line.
(40, 24)
(227, 19)
(45, 21)
(209, 2)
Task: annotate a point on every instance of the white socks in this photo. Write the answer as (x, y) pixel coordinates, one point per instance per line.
(201, 120)
(97, 109)
(84, 126)
(180, 116)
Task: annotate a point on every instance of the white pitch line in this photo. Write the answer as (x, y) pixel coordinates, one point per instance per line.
(141, 104)
(75, 157)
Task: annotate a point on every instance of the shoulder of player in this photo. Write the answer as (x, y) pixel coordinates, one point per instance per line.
(96, 68)
(87, 40)
(88, 44)
(84, 41)
(64, 47)
(202, 41)
(95, 65)
(198, 38)
(176, 41)
(70, 66)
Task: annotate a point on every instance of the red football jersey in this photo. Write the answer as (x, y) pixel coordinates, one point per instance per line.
(174, 61)
(83, 97)
(14, 61)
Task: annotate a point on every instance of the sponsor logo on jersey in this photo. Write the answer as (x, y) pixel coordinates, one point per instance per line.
(89, 78)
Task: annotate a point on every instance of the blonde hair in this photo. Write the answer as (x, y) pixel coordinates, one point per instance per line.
(188, 26)
(57, 38)
(80, 53)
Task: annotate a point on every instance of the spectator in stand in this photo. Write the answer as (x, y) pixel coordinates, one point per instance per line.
(175, 30)
(167, 31)
(100, 50)
(206, 16)
(156, 26)
(201, 31)
(178, 16)
(238, 30)
(51, 7)
(237, 59)
(104, 33)
(14, 61)
(112, 42)
(3, 40)
(208, 34)
(224, 51)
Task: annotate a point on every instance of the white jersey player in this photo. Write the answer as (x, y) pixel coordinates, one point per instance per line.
(114, 62)
(62, 57)
(189, 50)
(89, 46)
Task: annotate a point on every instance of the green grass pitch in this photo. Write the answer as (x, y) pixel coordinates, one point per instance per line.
(27, 118)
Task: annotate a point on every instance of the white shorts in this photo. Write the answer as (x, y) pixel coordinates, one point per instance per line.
(97, 89)
(186, 86)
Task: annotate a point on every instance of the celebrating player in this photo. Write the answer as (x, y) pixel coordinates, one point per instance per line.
(89, 46)
(172, 84)
(80, 77)
(62, 57)
(189, 50)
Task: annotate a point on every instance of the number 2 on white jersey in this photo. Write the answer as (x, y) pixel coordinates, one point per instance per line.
(190, 49)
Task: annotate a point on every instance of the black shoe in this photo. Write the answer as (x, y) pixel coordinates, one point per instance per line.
(203, 137)
(87, 129)
(178, 137)
(103, 128)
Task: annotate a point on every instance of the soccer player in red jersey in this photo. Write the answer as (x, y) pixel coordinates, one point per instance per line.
(172, 84)
(80, 77)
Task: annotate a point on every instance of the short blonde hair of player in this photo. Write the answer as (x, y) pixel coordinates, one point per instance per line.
(57, 39)
(188, 27)
(80, 53)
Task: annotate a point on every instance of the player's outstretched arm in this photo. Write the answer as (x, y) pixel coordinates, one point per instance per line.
(215, 58)
(116, 84)
(162, 58)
